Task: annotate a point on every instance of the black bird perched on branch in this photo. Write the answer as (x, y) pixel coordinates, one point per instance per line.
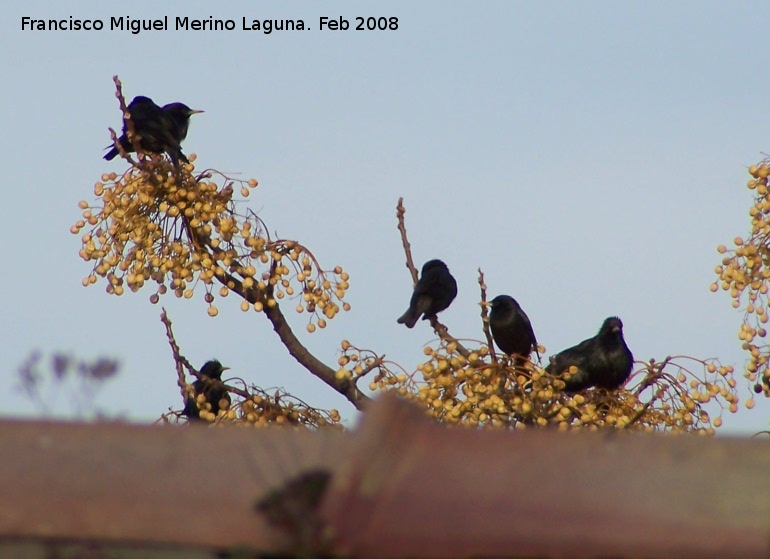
(603, 361)
(213, 370)
(151, 126)
(179, 116)
(511, 328)
(434, 292)
(160, 130)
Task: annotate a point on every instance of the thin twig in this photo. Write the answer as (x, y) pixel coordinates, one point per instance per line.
(485, 317)
(179, 360)
(655, 371)
(379, 360)
(441, 330)
(443, 333)
(400, 211)
(130, 131)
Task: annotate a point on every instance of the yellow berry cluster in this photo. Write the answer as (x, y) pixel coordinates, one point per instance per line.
(205, 410)
(474, 390)
(746, 270)
(158, 224)
(677, 391)
(356, 363)
(321, 295)
(261, 409)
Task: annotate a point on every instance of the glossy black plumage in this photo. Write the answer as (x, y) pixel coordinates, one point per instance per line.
(212, 369)
(603, 361)
(150, 124)
(179, 115)
(511, 328)
(161, 130)
(434, 292)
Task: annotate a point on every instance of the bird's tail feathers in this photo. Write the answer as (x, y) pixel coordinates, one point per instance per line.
(409, 318)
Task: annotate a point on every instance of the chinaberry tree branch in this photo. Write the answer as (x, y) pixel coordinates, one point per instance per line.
(179, 360)
(400, 211)
(346, 387)
(439, 328)
(281, 327)
(130, 131)
(485, 317)
(654, 372)
(375, 364)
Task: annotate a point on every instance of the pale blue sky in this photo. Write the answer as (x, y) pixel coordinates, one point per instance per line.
(588, 156)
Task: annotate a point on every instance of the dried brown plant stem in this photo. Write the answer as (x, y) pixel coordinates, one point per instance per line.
(281, 327)
(400, 211)
(439, 328)
(485, 317)
(654, 372)
(444, 334)
(130, 132)
(179, 360)
(375, 364)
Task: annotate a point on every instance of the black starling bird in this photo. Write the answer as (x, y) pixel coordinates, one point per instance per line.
(511, 328)
(179, 115)
(150, 124)
(433, 293)
(161, 130)
(212, 369)
(603, 361)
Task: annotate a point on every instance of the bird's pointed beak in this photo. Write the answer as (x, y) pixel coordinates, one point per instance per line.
(225, 369)
(616, 329)
(196, 111)
(486, 304)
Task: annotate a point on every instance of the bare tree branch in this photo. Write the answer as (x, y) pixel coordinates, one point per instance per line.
(130, 131)
(441, 330)
(281, 327)
(485, 317)
(179, 360)
(400, 211)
